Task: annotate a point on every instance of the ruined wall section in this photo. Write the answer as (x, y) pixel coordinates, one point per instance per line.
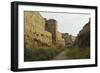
(68, 39)
(59, 40)
(39, 32)
(34, 30)
(51, 26)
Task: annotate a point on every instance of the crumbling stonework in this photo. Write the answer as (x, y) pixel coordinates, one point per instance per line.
(34, 30)
(39, 32)
(68, 39)
(59, 40)
(51, 26)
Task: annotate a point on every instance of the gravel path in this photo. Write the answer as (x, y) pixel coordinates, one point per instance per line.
(60, 56)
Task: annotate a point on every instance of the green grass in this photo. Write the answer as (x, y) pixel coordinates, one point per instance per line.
(77, 53)
(40, 54)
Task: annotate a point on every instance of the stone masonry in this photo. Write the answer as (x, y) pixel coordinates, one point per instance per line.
(51, 26)
(69, 39)
(39, 32)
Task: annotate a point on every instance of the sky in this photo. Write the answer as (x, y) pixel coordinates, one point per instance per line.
(70, 23)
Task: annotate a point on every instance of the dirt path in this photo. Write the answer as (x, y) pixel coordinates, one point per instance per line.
(60, 56)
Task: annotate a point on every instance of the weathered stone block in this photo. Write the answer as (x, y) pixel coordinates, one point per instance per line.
(34, 30)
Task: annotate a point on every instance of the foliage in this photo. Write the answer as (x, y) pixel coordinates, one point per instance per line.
(77, 53)
(39, 54)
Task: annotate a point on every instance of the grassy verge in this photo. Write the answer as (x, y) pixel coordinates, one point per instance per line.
(77, 53)
(42, 54)
(39, 54)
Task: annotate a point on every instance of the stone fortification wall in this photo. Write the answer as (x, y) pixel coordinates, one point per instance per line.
(39, 32)
(51, 26)
(34, 30)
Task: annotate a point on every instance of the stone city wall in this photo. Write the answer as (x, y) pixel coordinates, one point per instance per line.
(39, 32)
(34, 30)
